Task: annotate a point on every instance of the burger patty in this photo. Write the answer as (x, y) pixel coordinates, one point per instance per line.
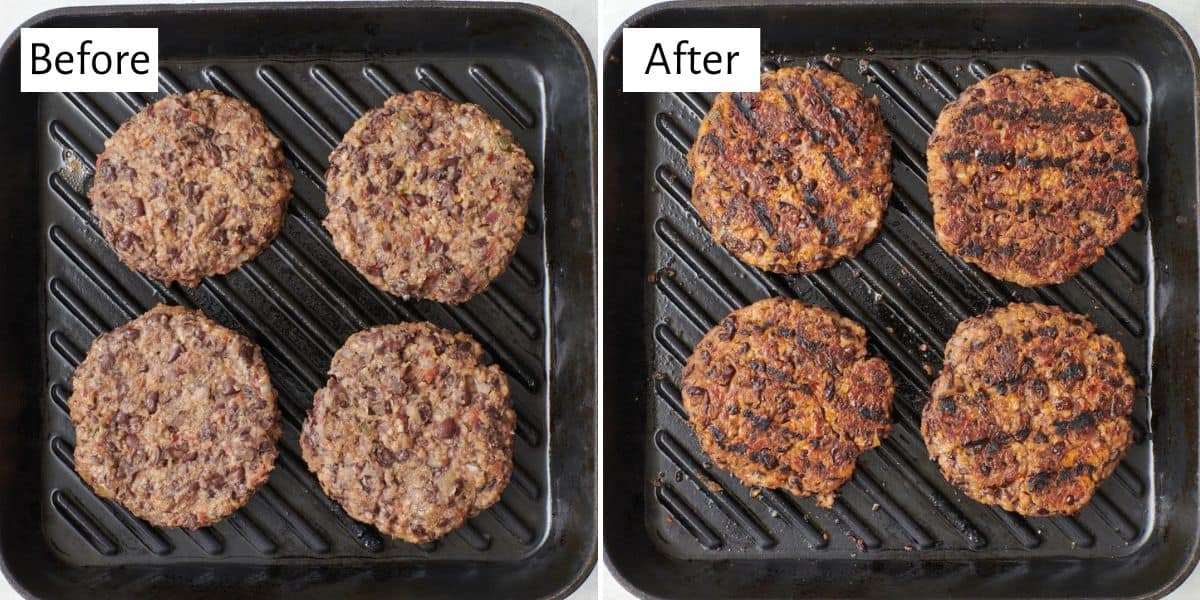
(1031, 409)
(796, 177)
(1032, 176)
(427, 197)
(411, 433)
(192, 185)
(782, 395)
(175, 418)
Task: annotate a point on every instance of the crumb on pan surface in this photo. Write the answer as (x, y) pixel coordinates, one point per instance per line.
(427, 197)
(782, 394)
(1032, 176)
(192, 185)
(175, 418)
(796, 177)
(1031, 409)
(411, 433)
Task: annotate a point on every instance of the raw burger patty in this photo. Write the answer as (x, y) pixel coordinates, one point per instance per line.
(1031, 410)
(796, 177)
(193, 185)
(1032, 176)
(411, 433)
(175, 418)
(782, 395)
(427, 197)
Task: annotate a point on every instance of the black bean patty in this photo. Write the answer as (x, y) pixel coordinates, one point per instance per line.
(781, 393)
(427, 197)
(191, 186)
(175, 418)
(1031, 410)
(411, 433)
(796, 177)
(1032, 176)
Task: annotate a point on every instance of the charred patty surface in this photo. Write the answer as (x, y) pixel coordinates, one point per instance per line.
(1031, 409)
(782, 395)
(1032, 176)
(427, 197)
(411, 433)
(796, 177)
(175, 418)
(192, 185)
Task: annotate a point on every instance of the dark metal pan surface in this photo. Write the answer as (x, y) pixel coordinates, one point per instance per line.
(676, 526)
(312, 69)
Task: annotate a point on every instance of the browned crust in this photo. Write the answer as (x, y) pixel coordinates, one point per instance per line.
(782, 395)
(1032, 176)
(796, 177)
(411, 433)
(175, 418)
(1031, 410)
(427, 197)
(192, 185)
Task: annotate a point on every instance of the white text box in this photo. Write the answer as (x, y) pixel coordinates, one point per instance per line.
(690, 60)
(117, 59)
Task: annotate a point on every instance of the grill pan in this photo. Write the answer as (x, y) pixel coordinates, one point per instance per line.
(677, 526)
(312, 69)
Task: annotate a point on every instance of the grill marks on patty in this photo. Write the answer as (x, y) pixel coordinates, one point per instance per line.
(1031, 176)
(1060, 113)
(795, 177)
(744, 108)
(1010, 159)
(839, 116)
(781, 394)
(1031, 410)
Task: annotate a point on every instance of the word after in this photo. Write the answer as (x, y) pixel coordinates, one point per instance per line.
(713, 63)
(690, 60)
(114, 59)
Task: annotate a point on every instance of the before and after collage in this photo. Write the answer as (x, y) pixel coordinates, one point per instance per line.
(600, 299)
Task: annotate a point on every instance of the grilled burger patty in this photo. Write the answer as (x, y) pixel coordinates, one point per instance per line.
(1031, 176)
(795, 177)
(1031, 409)
(782, 395)
(193, 185)
(427, 197)
(411, 433)
(175, 418)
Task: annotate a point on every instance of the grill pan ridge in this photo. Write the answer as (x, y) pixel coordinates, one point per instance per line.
(312, 69)
(678, 526)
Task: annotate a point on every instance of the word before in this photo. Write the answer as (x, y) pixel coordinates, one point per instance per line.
(89, 59)
(713, 62)
(101, 63)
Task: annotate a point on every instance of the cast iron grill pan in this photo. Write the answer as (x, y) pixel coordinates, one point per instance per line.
(880, 289)
(300, 301)
(299, 306)
(910, 296)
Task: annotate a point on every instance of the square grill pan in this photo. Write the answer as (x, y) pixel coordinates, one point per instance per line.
(678, 526)
(312, 69)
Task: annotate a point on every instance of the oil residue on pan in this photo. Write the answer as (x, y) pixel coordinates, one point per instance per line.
(897, 515)
(299, 301)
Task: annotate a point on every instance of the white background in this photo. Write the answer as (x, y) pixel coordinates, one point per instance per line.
(614, 12)
(581, 14)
